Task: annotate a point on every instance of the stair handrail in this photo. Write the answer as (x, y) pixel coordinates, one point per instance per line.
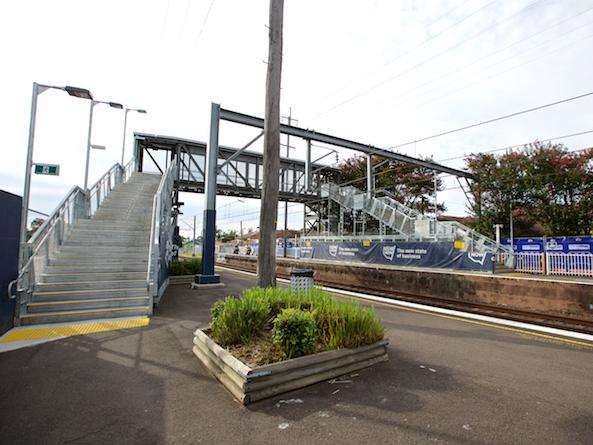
(376, 207)
(41, 247)
(161, 231)
(42, 234)
(102, 188)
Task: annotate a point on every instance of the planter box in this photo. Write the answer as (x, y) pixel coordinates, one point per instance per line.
(252, 384)
(182, 279)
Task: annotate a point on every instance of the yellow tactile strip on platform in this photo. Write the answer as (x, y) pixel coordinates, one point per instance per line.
(69, 330)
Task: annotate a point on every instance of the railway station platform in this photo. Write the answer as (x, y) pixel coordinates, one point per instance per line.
(448, 380)
(562, 303)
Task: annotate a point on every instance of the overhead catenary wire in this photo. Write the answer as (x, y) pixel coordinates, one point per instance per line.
(424, 42)
(426, 61)
(456, 70)
(547, 53)
(204, 22)
(496, 119)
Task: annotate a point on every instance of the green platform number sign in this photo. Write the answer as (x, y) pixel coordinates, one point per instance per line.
(46, 169)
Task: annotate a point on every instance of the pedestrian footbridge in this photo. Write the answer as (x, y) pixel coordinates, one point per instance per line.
(105, 252)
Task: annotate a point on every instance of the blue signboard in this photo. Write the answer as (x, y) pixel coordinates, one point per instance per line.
(416, 254)
(575, 244)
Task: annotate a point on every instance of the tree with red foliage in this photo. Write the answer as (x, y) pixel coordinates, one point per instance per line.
(545, 185)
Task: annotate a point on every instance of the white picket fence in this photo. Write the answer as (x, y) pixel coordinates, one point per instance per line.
(555, 263)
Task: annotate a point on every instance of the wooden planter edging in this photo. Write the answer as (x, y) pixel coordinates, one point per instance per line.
(182, 279)
(252, 384)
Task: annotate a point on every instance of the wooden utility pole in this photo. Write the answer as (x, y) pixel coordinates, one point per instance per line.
(268, 216)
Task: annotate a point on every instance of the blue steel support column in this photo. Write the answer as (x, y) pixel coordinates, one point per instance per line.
(370, 190)
(209, 222)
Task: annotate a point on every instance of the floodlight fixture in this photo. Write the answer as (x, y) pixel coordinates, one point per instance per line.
(83, 93)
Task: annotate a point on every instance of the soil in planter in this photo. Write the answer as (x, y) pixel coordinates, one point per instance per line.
(260, 351)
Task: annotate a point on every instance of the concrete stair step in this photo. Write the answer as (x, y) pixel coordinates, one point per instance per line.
(90, 285)
(97, 268)
(124, 225)
(102, 256)
(131, 209)
(89, 314)
(106, 226)
(115, 236)
(73, 262)
(82, 294)
(106, 248)
(125, 220)
(86, 304)
(107, 241)
(91, 276)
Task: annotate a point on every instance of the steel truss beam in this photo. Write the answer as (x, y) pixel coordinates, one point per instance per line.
(311, 135)
(191, 156)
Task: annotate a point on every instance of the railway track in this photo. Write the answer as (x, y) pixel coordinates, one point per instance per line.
(549, 320)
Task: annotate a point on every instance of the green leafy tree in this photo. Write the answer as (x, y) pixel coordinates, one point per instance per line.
(548, 189)
(35, 225)
(411, 185)
(231, 235)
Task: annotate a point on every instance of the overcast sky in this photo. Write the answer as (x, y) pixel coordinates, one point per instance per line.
(378, 72)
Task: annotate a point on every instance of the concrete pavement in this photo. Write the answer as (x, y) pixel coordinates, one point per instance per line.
(447, 381)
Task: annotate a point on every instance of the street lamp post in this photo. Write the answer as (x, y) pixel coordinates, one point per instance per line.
(88, 143)
(123, 144)
(37, 90)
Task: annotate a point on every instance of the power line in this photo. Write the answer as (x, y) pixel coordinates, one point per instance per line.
(426, 61)
(456, 70)
(406, 52)
(482, 79)
(510, 147)
(204, 22)
(489, 121)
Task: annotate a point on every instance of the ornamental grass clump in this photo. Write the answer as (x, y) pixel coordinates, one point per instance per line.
(295, 332)
(291, 325)
(236, 321)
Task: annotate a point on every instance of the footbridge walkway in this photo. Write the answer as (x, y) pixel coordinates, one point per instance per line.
(105, 252)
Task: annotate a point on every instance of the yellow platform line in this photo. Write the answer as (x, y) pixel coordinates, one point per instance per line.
(84, 311)
(43, 332)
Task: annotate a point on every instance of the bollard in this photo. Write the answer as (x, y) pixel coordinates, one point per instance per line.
(301, 281)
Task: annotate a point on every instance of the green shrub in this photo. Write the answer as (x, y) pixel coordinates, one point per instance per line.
(189, 266)
(337, 324)
(236, 320)
(295, 332)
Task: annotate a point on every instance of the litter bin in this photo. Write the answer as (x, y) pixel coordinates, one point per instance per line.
(301, 281)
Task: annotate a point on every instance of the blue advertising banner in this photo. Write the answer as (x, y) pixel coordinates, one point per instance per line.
(575, 244)
(417, 254)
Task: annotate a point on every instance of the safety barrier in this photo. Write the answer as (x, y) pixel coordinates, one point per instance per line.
(160, 249)
(529, 263)
(574, 264)
(42, 246)
(555, 263)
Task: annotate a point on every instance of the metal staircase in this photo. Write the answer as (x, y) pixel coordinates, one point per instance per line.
(101, 253)
(406, 222)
